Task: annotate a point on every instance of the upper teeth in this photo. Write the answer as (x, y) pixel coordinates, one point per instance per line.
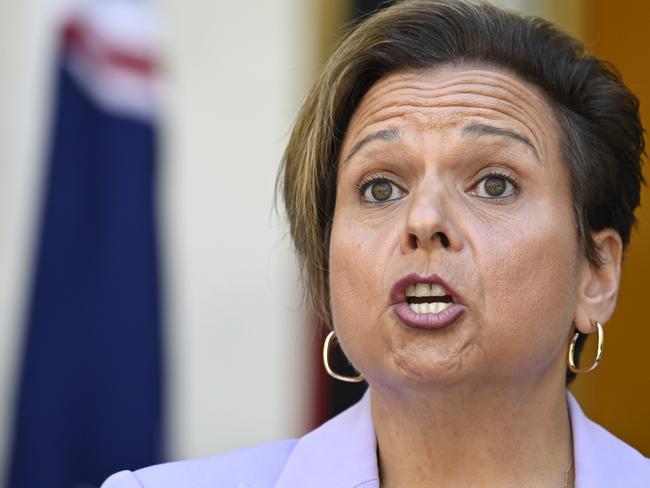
(425, 290)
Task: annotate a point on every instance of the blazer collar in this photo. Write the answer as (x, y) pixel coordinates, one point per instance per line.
(601, 459)
(342, 453)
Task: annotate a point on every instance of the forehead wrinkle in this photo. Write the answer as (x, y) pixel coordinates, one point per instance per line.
(508, 85)
(481, 101)
(510, 96)
(415, 81)
(495, 92)
(536, 108)
(489, 77)
(462, 84)
(422, 117)
(429, 95)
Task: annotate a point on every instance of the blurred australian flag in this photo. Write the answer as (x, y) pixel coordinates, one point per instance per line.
(89, 395)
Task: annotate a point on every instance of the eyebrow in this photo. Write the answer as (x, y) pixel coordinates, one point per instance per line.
(393, 133)
(490, 130)
(389, 134)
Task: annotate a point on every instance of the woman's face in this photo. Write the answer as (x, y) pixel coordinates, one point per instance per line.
(452, 179)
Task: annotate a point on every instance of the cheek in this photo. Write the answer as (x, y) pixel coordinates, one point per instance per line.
(358, 258)
(352, 268)
(362, 245)
(530, 283)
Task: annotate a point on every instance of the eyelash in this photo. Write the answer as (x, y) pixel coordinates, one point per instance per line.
(498, 173)
(363, 185)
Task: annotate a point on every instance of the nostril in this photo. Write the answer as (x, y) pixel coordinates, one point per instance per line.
(444, 240)
(413, 241)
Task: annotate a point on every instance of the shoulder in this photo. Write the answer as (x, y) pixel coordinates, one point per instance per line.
(257, 467)
(341, 452)
(601, 458)
(614, 460)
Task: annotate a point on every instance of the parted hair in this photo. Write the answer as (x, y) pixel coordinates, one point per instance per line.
(601, 137)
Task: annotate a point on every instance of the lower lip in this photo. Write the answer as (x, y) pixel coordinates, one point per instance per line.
(428, 320)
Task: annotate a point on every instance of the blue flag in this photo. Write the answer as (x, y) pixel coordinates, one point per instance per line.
(89, 399)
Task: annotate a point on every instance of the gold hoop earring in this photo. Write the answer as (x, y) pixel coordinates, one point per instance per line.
(599, 351)
(326, 361)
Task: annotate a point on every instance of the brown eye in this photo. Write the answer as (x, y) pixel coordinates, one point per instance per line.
(495, 187)
(380, 190)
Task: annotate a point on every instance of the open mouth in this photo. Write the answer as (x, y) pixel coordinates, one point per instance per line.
(426, 302)
(428, 298)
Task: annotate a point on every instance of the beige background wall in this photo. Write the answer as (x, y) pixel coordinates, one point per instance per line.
(236, 74)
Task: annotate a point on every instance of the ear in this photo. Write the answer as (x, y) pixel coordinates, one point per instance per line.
(599, 285)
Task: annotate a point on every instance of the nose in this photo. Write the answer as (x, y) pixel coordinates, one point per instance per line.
(429, 225)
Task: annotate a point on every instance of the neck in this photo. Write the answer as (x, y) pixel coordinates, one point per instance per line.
(473, 436)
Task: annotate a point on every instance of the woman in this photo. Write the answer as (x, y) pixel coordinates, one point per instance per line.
(460, 185)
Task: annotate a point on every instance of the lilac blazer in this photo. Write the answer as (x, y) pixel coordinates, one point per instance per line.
(342, 454)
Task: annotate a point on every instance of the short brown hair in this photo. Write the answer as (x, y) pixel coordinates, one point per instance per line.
(601, 134)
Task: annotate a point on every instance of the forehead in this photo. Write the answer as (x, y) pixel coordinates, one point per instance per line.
(450, 98)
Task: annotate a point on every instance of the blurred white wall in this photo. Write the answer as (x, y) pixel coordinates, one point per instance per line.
(236, 74)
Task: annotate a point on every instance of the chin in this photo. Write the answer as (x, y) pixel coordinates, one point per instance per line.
(432, 367)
